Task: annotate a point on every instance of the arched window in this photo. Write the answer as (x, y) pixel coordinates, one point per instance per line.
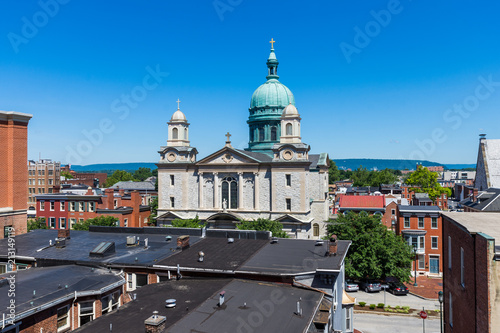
(261, 134)
(185, 134)
(273, 133)
(229, 193)
(288, 129)
(315, 229)
(175, 134)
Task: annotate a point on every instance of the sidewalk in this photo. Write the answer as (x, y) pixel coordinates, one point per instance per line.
(426, 287)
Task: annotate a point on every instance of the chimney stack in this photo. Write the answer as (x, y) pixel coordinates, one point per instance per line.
(63, 233)
(332, 248)
(121, 191)
(155, 323)
(221, 298)
(474, 195)
(183, 242)
(89, 191)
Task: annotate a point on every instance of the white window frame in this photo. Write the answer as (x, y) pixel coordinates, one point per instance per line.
(449, 252)
(434, 219)
(462, 267)
(86, 314)
(61, 219)
(52, 206)
(450, 310)
(62, 205)
(81, 206)
(107, 303)
(72, 222)
(52, 225)
(436, 238)
(72, 206)
(421, 219)
(91, 206)
(407, 219)
(393, 212)
(42, 205)
(67, 316)
(131, 282)
(125, 222)
(348, 319)
(421, 261)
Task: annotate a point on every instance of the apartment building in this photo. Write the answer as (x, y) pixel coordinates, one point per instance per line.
(44, 177)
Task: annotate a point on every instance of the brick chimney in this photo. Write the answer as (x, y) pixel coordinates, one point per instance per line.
(155, 323)
(121, 191)
(475, 193)
(89, 191)
(63, 233)
(332, 246)
(110, 200)
(183, 242)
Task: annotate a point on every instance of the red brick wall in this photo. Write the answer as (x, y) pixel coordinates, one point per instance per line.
(17, 221)
(464, 317)
(387, 217)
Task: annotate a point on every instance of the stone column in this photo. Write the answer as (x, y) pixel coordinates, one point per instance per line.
(240, 190)
(200, 195)
(256, 192)
(216, 190)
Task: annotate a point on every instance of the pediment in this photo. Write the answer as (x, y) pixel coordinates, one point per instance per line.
(227, 156)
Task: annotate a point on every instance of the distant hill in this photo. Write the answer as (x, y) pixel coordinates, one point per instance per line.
(348, 163)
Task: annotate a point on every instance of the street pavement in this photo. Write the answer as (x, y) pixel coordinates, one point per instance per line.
(373, 323)
(393, 300)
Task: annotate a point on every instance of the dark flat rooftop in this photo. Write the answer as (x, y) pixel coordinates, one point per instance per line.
(275, 303)
(219, 254)
(50, 284)
(188, 293)
(293, 256)
(81, 243)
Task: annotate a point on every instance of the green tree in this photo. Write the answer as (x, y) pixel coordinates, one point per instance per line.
(37, 223)
(118, 176)
(361, 177)
(375, 252)
(103, 220)
(154, 211)
(142, 173)
(66, 175)
(188, 223)
(424, 181)
(385, 176)
(333, 173)
(264, 224)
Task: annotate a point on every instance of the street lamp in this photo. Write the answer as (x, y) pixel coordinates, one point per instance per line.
(441, 299)
(415, 265)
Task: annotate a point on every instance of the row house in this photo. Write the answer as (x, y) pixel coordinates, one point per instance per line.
(63, 210)
(421, 227)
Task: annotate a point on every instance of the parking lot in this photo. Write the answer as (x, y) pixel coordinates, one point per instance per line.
(393, 300)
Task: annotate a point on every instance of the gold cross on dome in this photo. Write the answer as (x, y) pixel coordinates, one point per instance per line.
(228, 136)
(272, 43)
(178, 104)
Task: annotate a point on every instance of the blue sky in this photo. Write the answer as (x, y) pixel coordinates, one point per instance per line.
(378, 79)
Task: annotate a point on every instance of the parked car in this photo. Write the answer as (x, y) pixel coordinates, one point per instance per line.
(369, 285)
(397, 288)
(350, 285)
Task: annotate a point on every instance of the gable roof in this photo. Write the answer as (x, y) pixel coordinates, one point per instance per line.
(487, 201)
(361, 201)
(250, 158)
(131, 185)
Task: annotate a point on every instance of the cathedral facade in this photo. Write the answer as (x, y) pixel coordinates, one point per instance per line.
(275, 178)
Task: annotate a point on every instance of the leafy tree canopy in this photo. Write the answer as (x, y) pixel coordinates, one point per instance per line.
(264, 224)
(425, 181)
(375, 252)
(66, 175)
(154, 211)
(37, 223)
(142, 173)
(188, 223)
(118, 176)
(103, 220)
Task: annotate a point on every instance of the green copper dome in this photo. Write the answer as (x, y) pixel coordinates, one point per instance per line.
(272, 94)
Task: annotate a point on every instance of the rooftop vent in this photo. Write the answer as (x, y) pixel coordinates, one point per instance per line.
(155, 323)
(274, 240)
(230, 240)
(130, 240)
(60, 243)
(103, 249)
(319, 243)
(168, 238)
(201, 256)
(170, 303)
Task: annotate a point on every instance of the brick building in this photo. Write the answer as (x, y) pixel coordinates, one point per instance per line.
(63, 210)
(13, 172)
(44, 176)
(92, 179)
(421, 227)
(471, 272)
(372, 204)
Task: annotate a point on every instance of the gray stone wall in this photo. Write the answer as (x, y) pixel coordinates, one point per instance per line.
(265, 190)
(248, 188)
(283, 192)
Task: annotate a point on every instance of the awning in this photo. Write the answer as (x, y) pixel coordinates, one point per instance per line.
(414, 232)
(348, 300)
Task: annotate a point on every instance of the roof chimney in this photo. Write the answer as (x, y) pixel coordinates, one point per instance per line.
(63, 233)
(332, 249)
(155, 323)
(121, 191)
(89, 191)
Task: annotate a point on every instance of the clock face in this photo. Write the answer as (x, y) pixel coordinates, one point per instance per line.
(288, 154)
(171, 156)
